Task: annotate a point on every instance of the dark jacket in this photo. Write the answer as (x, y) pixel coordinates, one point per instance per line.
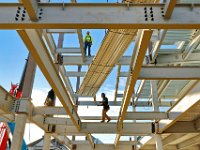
(105, 103)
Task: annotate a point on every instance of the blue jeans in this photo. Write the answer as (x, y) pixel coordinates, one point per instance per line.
(87, 46)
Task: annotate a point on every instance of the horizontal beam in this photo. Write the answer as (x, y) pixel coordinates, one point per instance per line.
(177, 59)
(186, 127)
(61, 31)
(107, 128)
(59, 16)
(146, 115)
(73, 50)
(181, 107)
(61, 111)
(158, 73)
(125, 60)
(188, 143)
(129, 116)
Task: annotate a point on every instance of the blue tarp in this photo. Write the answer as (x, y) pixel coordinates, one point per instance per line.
(12, 128)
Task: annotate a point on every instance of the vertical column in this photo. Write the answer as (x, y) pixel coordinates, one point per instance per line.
(47, 141)
(18, 132)
(154, 93)
(159, 145)
(134, 147)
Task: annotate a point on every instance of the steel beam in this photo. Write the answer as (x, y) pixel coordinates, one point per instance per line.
(191, 47)
(157, 73)
(182, 127)
(138, 92)
(117, 82)
(38, 50)
(70, 31)
(171, 138)
(181, 107)
(177, 59)
(72, 50)
(129, 116)
(158, 44)
(169, 59)
(61, 110)
(47, 141)
(18, 132)
(104, 128)
(159, 145)
(57, 16)
(190, 142)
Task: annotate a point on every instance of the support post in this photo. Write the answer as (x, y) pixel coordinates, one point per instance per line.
(47, 141)
(158, 142)
(18, 132)
(154, 94)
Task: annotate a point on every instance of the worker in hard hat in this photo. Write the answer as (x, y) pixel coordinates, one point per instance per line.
(106, 107)
(87, 43)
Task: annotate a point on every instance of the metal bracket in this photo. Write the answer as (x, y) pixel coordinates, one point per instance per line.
(153, 128)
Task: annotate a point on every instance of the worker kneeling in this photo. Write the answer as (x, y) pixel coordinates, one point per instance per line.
(106, 107)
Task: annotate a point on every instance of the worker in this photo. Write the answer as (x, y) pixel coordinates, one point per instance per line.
(51, 99)
(87, 43)
(105, 109)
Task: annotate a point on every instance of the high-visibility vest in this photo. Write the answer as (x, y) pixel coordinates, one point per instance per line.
(88, 38)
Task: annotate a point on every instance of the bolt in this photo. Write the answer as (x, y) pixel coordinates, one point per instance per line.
(22, 19)
(16, 18)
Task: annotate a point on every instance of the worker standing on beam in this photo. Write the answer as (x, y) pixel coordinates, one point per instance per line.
(106, 107)
(88, 43)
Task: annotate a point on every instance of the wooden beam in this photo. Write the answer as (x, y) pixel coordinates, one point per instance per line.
(169, 8)
(188, 143)
(38, 50)
(31, 8)
(140, 48)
